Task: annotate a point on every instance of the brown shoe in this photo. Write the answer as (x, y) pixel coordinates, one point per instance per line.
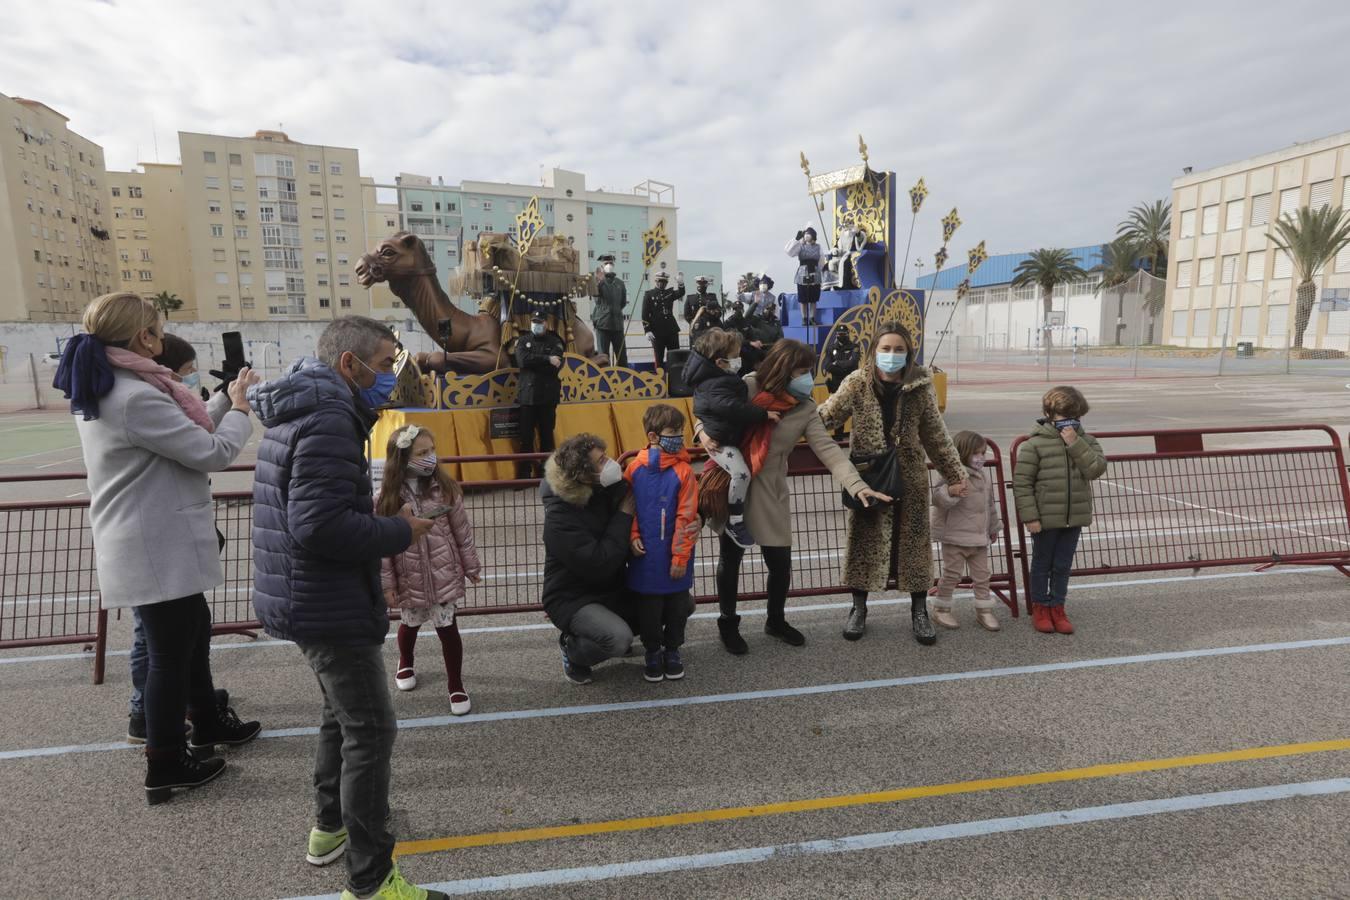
(987, 620)
(945, 618)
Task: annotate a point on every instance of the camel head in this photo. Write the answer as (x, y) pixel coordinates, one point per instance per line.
(400, 255)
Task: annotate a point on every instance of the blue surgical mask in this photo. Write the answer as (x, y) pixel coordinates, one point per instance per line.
(671, 443)
(378, 394)
(890, 363)
(801, 386)
(1061, 424)
(193, 381)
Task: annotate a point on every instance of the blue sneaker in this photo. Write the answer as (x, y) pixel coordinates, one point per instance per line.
(654, 670)
(740, 534)
(577, 674)
(674, 665)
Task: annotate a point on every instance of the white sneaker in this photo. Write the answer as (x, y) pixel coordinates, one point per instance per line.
(405, 679)
(459, 704)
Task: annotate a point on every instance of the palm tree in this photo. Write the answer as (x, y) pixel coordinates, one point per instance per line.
(1117, 270)
(1312, 238)
(1048, 268)
(166, 303)
(747, 283)
(1149, 226)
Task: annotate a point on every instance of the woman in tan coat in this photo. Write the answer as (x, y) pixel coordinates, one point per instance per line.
(784, 375)
(892, 403)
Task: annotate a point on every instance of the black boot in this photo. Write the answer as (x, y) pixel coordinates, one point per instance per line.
(178, 769)
(730, 629)
(221, 726)
(924, 632)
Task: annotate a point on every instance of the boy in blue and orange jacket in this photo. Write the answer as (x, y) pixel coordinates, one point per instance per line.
(665, 529)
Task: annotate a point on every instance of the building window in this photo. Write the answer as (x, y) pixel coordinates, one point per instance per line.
(117, 192)
(610, 234)
(390, 223)
(1345, 193)
(1277, 318)
(218, 254)
(323, 279)
(1256, 265)
(212, 183)
(118, 212)
(340, 237)
(146, 275)
(213, 206)
(1233, 220)
(136, 212)
(323, 302)
(236, 159)
(590, 210)
(1248, 321)
(241, 232)
(1230, 269)
(451, 207)
(217, 231)
(345, 302)
(487, 204)
(344, 279)
(1205, 277)
(267, 213)
(222, 302)
(1284, 266)
(1288, 201)
(222, 278)
(315, 190)
(1343, 259)
(316, 212)
(623, 236)
(416, 205)
(1201, 326)
(624, 257)
(126, 274)
(335, 168)
(320, 259)
(1260, 209)
(488, 228)
(1184, 274)
(625, 276)
(1179, 323)
(590, 254)
(315, 168)
(339, 213)
(209, 156)
(1187, 224)
(245, 279)
(1209, 220)
(321, 235)
(1319, 195)
(236, 184)
(342, 259)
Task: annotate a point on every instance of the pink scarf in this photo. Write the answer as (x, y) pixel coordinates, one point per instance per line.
(152, 373)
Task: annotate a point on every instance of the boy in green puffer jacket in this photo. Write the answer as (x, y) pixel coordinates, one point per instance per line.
(1052, 483)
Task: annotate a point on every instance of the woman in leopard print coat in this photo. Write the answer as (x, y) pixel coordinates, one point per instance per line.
(893, 404)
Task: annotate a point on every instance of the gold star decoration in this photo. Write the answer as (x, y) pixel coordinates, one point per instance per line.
(654, 240)
(528, 225)
(976, 256)
(950, 223)
(917, 195)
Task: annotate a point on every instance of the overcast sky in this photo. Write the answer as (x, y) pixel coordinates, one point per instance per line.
(1042, 121)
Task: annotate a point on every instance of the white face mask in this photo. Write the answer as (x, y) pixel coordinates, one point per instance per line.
(538, 328)
(763, 288)
(734, 365)
(610, 473)
(609, 269)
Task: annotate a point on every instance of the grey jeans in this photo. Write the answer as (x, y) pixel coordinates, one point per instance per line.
(351, 765)
(597, 633)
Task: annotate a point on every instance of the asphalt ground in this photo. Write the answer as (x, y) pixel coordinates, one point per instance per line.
(1249, 673)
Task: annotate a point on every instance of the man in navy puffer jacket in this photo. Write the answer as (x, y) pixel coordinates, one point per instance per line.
(317, 546)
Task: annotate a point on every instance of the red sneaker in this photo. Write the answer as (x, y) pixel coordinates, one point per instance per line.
(1040, 618)
(1061, 621)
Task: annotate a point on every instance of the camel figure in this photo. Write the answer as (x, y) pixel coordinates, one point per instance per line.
(471, 344)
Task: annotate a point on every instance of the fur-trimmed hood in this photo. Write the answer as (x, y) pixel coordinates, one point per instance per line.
(557, 485)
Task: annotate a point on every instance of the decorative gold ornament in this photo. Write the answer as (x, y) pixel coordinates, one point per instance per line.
(860, 322)
(528, 224)
(917, 195)
(654, 241)
(963, 288)
(940, 258)
(862, 149)
(976, 256)
(950, 223)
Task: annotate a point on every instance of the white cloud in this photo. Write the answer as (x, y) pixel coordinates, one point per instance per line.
(1042, 122)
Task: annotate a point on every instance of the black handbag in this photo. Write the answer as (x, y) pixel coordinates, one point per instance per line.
(881, 471)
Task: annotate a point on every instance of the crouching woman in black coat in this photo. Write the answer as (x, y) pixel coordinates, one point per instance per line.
(588, 523)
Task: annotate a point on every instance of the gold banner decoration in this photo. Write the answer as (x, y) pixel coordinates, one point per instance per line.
(654, 241)
(582, 381)
(917, 194)
(528, 225)
(950, 223)
(963, 288)
(975, 257)
(821, 184)
(940, 258)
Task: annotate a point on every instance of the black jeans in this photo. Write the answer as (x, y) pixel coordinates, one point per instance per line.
(536, 421)
(1052, 553)
(609, 341)
(352, 762)
(778, 560)
(663, 345)
(178, 634)
(661, 619)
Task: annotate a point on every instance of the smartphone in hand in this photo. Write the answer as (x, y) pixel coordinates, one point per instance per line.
(435, 513)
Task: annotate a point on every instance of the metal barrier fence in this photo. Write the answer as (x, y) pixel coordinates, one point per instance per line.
(50, 594)
(1183, 506)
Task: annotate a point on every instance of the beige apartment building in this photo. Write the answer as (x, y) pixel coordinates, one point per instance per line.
(150, 229)
(1226, 282)
(274, 227)
(55, 237)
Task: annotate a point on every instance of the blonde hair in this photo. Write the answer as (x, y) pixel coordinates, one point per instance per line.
(117, 318)
(717, 344)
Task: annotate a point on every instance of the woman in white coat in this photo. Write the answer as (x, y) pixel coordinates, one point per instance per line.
(148, 445)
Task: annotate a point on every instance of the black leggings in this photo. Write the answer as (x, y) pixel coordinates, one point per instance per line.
(178, 635)
(777, 559)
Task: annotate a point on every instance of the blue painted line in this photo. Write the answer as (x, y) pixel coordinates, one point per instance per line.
(885, 839)
(551, 712)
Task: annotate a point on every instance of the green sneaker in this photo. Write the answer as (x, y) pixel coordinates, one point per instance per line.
(396, 887)
(325, 846)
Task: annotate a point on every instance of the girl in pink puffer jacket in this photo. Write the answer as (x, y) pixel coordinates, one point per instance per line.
(426, 581)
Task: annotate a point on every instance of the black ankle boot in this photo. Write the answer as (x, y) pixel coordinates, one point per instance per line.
(177, 770)
(222, 726)
(730, 629)
(779, 628)
(924, 632)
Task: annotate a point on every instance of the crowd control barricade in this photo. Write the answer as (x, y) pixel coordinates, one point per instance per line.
(1208, 497)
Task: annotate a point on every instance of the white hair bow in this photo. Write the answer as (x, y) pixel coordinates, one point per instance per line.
(407, 436)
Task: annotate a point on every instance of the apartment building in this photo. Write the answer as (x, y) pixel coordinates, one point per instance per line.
(1226, 282)
(55, 235)
(274, 227)
(149, 221)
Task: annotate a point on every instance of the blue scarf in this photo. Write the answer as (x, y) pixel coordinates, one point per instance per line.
(84, 375)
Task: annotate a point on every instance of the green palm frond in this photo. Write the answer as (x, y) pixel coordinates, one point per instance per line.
(1048, 268)
(1149, 227)
(1118, 263)
(1311, 237)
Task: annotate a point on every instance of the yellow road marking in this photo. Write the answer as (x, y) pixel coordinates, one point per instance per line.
(494, 838)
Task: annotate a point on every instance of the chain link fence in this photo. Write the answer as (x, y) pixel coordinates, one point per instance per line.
(26, 382)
